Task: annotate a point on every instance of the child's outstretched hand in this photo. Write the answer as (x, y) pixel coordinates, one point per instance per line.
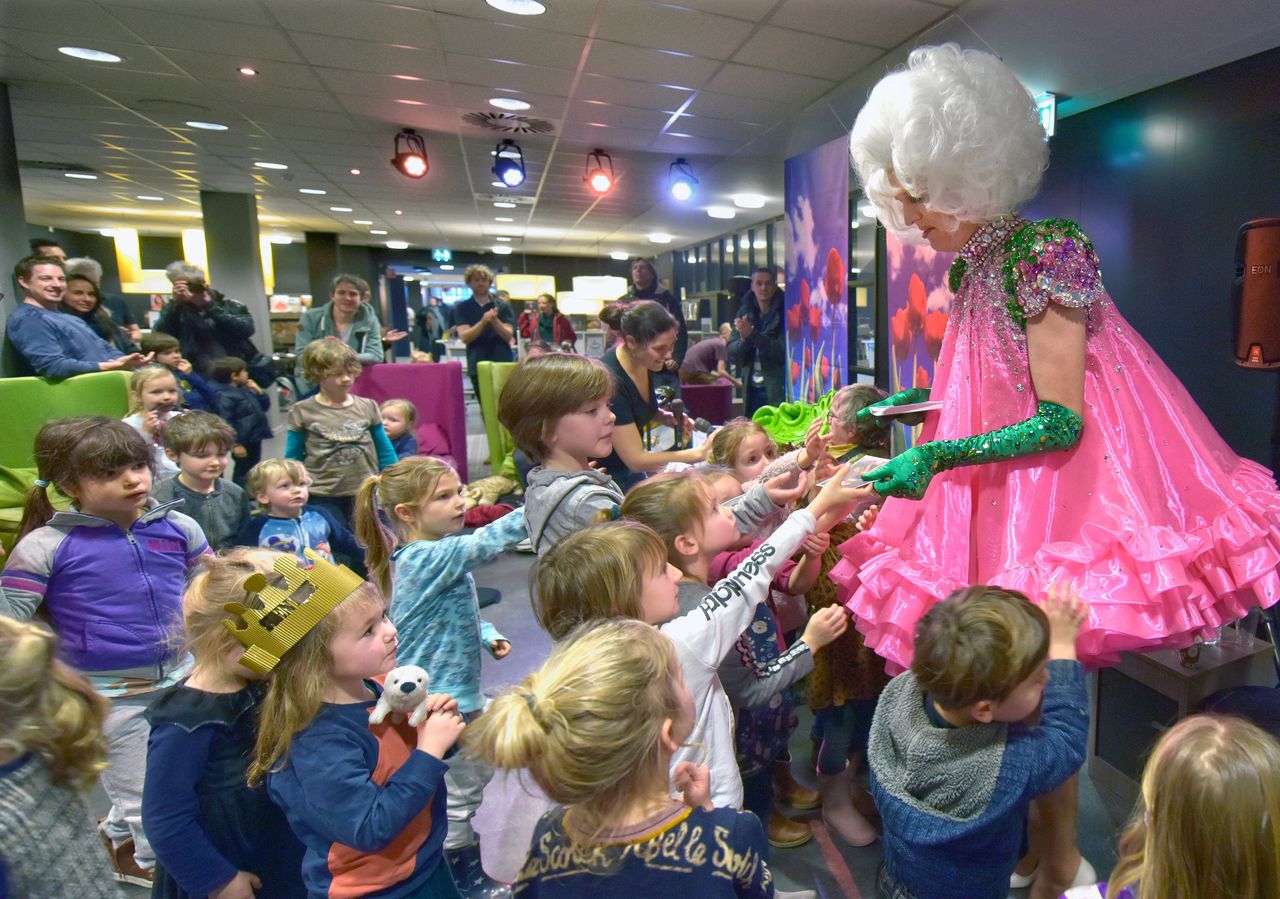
(815, 444)
(694, 783)
(785, 488)
(868, 518)
(243, 886)
(500, 648)
(825, 626)
(815, 545)
(1067, 612)
(442, 726)
(837, 499)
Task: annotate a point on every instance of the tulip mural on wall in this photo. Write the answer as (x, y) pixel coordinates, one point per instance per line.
(817, 275)
(919, 307)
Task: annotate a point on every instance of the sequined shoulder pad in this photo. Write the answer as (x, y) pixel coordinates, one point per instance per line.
(1047, 261)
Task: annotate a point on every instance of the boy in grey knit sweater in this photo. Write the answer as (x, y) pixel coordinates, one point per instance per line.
(198, 443)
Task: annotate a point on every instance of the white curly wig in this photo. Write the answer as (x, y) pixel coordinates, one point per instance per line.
(955, 128)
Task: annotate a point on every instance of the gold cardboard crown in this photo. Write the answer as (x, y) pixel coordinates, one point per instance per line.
(287, 616)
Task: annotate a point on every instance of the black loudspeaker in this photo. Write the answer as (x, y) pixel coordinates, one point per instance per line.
(1255, 294)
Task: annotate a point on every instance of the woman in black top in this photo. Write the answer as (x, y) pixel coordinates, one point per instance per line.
(83, 300)
(648, 336)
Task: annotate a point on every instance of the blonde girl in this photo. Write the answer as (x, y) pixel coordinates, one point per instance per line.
(212, 834)
(742, 446)
(154, 399)
(51, 752)
(367, 801)
(114, 617)
(683, 509)
(409, 518)
(1208, 823)
(597, 727)
(585, 590)
(398, 420)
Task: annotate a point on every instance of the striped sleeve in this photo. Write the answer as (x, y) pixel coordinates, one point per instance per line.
(27, 571)
(197, 545)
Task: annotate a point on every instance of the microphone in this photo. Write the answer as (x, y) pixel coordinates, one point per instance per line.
(676, 407)
(703, 426)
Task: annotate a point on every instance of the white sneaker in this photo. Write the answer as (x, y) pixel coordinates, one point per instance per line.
(524, 546)
(1021, 881)
(1085, 876)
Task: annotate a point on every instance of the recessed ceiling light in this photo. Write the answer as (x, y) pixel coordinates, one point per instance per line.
(502, 218)
(399, 212)
(620, 255)
(397, 245)
(748, 201)
(274, 166)
(207, 126)
(280, 239)
(659, 237)
(340, 209)
(313, 191)
(446, 268)
(81, 176)
(361, 222)
(503, 239)
(497, 184)
(355, 171)
(597, 124)
(502, 250)
(90, 54)
(721, 212)
(150, 199)
(518, 7)
(408, 279)
(248, 71)
(412, 102)
(504, 204)
(678, 134)
(508, 103)
(406, 77)
(377, 231)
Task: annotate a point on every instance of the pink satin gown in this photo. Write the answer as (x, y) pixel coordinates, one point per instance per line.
(1165, 530)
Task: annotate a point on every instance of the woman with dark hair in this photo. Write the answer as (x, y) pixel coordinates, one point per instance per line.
(648, 336)
(83, 300)
(547, 323)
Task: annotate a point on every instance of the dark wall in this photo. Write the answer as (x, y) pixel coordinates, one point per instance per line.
(290, 264)
(1161, 182)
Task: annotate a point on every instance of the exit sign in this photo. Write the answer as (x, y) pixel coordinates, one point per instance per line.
(442, 255)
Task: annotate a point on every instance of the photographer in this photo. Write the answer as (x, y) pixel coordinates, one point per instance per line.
(208, 325)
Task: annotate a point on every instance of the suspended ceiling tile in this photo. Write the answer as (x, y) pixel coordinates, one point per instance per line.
(472, 37)
(806, 54)
(670, 27)
(496, 73)
(645, 64)
(800, 90)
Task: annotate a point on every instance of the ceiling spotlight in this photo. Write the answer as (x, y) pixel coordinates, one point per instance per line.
(501, 250)
(446, 267)
(411, 154)
(508, 164)
(680, 180)
(749, 201)
(721, 212)
(89, 54)
(398, 245)
(503, 239)
(503, 218)
(274, 166)
(247, 71)
(518, 7)
(510, 104)
(81, 176)
(362, 221)
(377, 231)
(355, 171)
(399, 212)
(659, 237)
(620, 255)
(599, 171)
(150, 198)
(207, 126)
(339, 208)
(313, 191)
(504, 204)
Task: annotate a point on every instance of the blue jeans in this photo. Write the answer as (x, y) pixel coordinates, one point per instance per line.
(844, 728)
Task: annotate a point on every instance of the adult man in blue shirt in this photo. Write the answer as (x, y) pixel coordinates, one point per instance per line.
(47, 341)
(485, 326)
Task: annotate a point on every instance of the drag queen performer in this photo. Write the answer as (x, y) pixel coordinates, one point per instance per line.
(1065, 450)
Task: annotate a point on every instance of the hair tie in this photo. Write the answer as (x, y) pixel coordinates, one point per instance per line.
(42, 483)
(532, 702)
(615, 512)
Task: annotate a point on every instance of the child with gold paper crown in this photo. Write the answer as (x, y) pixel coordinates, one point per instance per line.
(367, 801)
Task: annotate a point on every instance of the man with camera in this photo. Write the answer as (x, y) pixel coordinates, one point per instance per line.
(208, 325)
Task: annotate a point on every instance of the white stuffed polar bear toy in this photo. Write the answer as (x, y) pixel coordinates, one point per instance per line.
(404, 694)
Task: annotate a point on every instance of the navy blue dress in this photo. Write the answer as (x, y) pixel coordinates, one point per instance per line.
(204, 822)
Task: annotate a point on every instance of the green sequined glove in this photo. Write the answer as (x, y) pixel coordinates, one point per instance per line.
(864, 418)
(1053, 427)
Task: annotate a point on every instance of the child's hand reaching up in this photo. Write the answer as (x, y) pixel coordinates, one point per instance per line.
(442, 726)
(815, 444)
(785, 488)
(815, 545)
(1067, 613)
(500, 648)
(694, 783)
(868, 518)
(825, 626)
(837, 499)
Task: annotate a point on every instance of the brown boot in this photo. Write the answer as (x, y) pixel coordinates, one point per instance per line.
(124, 867)
(789, 791)
(839, 813)
(786, 833)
